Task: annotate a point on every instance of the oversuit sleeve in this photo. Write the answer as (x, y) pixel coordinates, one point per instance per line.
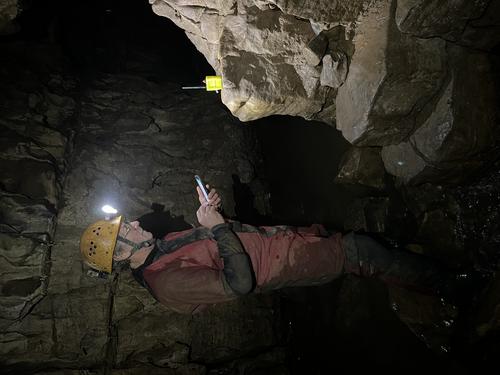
(238, 270)
(189, 289)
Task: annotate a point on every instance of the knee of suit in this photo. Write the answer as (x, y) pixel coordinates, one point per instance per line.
(365, 256)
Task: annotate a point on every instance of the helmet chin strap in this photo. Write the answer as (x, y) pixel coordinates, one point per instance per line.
(136, 246)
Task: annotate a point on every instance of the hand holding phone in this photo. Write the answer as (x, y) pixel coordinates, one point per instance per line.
(202, 187)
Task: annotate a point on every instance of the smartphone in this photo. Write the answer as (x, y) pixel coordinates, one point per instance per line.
(202, 186)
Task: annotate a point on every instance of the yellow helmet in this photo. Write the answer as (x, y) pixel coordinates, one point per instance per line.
(98, 242)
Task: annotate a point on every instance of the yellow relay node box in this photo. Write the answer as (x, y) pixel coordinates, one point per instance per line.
(213, 83)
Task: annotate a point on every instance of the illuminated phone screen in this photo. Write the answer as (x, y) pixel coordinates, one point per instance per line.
(202, 186)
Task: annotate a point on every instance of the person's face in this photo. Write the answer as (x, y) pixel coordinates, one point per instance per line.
(132, 232)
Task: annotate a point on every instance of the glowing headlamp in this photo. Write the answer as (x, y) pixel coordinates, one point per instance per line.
(107, 209)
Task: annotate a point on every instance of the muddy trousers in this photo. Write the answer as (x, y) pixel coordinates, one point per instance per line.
(366, 257)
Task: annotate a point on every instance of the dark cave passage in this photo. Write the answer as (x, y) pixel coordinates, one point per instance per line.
(93, 110)
(114, 36)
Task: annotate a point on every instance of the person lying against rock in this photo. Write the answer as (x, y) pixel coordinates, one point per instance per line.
(221, 261)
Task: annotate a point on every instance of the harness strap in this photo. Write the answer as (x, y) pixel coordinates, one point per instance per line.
(201, 233)
(136, 246)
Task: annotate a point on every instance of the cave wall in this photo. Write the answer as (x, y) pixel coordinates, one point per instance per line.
(34, 110)
(72, 145)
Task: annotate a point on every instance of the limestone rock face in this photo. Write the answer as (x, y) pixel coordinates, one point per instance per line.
(363, 166)
(334, 70)
(32, 160)
(455, 137)
(264, 69)
(432, 18)
(262, 56)
(375, 69)
(269, 53)
(275, 57)
(456, 21)
(391, 76)
(323, 10)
